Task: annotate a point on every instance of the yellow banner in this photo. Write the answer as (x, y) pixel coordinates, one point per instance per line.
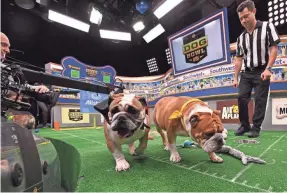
(74, 115)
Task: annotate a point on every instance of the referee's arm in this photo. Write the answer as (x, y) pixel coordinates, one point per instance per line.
(273, 40)
(238, 60)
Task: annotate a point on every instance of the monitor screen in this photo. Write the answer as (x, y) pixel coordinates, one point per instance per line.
(201, 45)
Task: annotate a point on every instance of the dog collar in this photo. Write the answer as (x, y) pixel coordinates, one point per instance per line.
(179, 114)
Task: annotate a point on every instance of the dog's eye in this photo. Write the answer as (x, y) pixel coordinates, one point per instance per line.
(132, 110)
(115, 110)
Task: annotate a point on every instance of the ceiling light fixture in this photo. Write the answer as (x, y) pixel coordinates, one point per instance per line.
(96, 16)
(138, 26)
(166, 7)
(68, 21)
(153, 33)
(115, 35)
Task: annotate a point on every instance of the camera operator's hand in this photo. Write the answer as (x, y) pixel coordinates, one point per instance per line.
(12, 95)
(40, 89)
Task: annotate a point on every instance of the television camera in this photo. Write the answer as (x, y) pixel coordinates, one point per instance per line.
(26, 164)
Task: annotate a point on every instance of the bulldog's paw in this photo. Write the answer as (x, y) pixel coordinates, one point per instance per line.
(139, 151)
(175, 157)
(132, 152)
(122, 165)
(217, 159)
(166, 148)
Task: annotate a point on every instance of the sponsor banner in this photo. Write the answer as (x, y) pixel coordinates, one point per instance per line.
(281, 61)
(228, 68)
(279, 111)
(89, 100)
(230, 111)
(74, 115)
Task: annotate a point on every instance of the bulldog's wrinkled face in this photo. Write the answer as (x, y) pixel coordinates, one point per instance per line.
(126, 113)
(206, 129)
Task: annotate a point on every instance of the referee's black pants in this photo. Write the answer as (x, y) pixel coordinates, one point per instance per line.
(248, 81)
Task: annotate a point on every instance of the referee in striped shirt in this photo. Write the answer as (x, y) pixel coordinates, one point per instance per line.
(257, 49)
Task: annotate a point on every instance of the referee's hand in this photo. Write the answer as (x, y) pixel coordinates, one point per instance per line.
(235, 83)
(266, 75)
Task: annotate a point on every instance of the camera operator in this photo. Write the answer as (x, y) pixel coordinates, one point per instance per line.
(5, 49)
(24, 119)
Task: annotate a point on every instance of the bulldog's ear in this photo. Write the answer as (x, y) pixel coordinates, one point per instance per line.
(142, 100)
(111, 98)
(193, 120)
(217, 112)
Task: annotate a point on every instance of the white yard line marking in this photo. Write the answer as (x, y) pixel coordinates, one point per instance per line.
(272, 163)
(197, 164)
(246, 168)
(231, 138)
(207, 174)
(84, 138)
(284, 162)
(270, 188)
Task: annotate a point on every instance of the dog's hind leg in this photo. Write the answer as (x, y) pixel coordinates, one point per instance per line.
(160, 131)
(132, 149)
(142, 144)
(164, 138)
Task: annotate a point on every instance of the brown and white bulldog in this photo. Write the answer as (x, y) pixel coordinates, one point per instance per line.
(127, 122)
(186, 116)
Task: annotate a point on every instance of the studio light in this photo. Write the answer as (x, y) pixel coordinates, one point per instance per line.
(68, 21)
(277, 12)
(115, 35)
(138, 26)
(152, 65)
(153, 33)
(96, 16)
(142, 6)
(166, 7)
(168, 57)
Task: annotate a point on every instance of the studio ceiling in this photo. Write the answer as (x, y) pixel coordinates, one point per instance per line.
(43, 41)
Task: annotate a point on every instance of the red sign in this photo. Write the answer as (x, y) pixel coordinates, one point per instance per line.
(230, 111)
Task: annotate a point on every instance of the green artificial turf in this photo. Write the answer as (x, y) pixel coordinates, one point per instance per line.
(195, 173)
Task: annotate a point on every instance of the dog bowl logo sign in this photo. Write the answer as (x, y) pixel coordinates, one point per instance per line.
(195, 46)
(281, 111)
(75, 115)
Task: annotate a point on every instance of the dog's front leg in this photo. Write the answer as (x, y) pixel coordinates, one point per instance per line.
(174, 155)
(213, 157)
(121, 162)
(142, 143)
(116, 150)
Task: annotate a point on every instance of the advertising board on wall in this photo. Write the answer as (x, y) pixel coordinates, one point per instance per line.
(74, 115)
(279, 111)
(230, 111)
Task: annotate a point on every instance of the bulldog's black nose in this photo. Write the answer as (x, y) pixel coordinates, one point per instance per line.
(121, 118)
(220, 141)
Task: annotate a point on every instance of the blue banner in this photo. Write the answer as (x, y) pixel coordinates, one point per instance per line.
(89, 100)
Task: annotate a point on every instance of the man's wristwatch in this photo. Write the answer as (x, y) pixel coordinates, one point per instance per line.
(269, 68)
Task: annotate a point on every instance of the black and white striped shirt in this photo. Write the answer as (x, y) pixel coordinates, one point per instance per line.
(254, 47)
